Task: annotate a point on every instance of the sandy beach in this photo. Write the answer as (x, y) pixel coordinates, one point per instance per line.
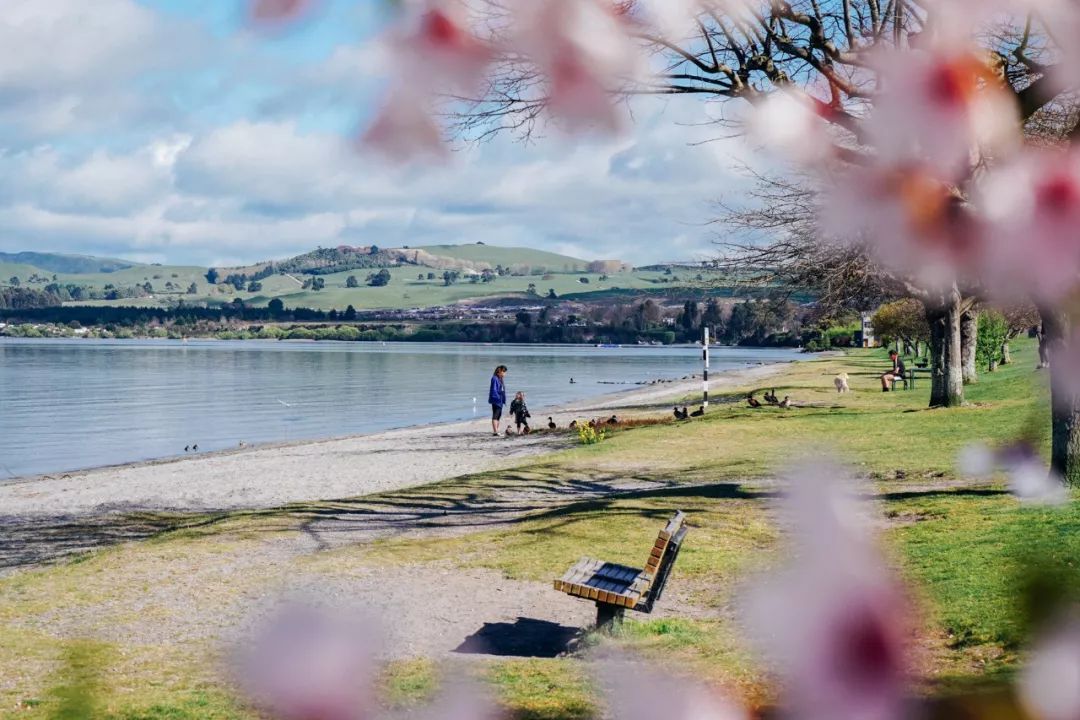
(274, 475)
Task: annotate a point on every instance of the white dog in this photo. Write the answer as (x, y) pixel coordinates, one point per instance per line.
(841, 383)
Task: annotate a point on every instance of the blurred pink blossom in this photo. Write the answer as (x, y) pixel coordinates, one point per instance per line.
(278, 12)
(584, 51)
(310, 664)
(433, 52)
(789, 123)
(434, 48)
(1029, 478)
(1049, 685)
(633, 694)
(1032, 211)
(461, 699)
(674, 19)
(405, 128)
(942, 107)
(835, 620)
(912, 221)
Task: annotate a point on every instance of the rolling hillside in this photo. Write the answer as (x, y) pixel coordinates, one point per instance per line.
(508, 256)
(411, 285)
(56, 263)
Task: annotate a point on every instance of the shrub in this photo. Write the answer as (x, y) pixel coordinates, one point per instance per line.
(992, 332)
(590, 435)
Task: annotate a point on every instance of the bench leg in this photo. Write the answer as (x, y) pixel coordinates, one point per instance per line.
(609, 617)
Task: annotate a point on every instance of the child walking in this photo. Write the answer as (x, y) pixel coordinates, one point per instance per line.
(520, 413)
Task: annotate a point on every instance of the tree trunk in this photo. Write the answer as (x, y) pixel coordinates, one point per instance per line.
(1006, 358)
(1064, 404)
(969, 337)
(946, 371)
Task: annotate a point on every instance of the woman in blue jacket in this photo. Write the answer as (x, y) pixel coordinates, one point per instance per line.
(497, 397)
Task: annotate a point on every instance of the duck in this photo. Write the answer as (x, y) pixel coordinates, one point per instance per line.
(551, 424)
(509, 432)
(752, 401)
(786, 402)
(685, 413)
(573, 424)
(573, 381)
(699, 412)
(677, 414)
(187, 448)
(613, 420)
(592, 423)
(770, 397)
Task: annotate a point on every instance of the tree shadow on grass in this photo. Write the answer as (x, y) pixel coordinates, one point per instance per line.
(491, 501)
(31, 541)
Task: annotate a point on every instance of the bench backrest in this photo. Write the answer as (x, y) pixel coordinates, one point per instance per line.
(662, 558)
(663, 540)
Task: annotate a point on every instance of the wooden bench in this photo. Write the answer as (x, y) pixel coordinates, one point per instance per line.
(910, 377)
(617, 587)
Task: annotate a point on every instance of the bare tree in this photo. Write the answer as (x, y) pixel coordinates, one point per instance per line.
(1020, 318)
(821, 45)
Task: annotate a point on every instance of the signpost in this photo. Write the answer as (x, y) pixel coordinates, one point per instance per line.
(705, 357)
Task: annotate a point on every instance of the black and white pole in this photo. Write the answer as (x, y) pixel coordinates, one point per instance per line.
(705, 357)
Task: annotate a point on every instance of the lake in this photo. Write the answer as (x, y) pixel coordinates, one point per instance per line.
(75, 404)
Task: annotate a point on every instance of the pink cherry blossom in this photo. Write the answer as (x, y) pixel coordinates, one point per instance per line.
(674, 19)
(835, 620)
(460, 699)
(277, 12)
(1049, 686)
(434, 48)
(433, 52)
(633, 694)
(1032, 212)
(309, 664)
(911, 220)
(941, 107)
(1030, 480)
(405, 128)
(584, 51)
(789, 123)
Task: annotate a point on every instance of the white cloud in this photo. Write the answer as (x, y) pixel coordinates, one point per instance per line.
(245, 177)
(255, 190)
(67, 65)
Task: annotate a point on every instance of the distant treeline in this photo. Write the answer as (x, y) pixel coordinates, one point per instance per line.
(90, 315)
(747, 323)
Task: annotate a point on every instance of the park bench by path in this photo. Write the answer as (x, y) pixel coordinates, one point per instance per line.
(911, 375)
(617, 587)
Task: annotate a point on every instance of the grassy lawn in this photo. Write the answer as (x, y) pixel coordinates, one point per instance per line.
(975, 556)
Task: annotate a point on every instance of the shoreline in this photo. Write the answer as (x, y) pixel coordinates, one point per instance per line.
(279, 473)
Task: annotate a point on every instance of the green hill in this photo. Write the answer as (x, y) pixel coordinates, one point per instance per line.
(417, 278)
(72, 264)
(509, 256)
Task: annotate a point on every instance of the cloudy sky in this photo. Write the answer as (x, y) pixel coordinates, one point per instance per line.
(164, 131)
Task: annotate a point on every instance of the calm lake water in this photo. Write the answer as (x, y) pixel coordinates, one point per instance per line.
(72, 404)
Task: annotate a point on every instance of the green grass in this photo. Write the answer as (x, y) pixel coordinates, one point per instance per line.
(978, 557)
(544, 689)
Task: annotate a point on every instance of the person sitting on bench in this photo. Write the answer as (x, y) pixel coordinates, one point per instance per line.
(898, 372)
